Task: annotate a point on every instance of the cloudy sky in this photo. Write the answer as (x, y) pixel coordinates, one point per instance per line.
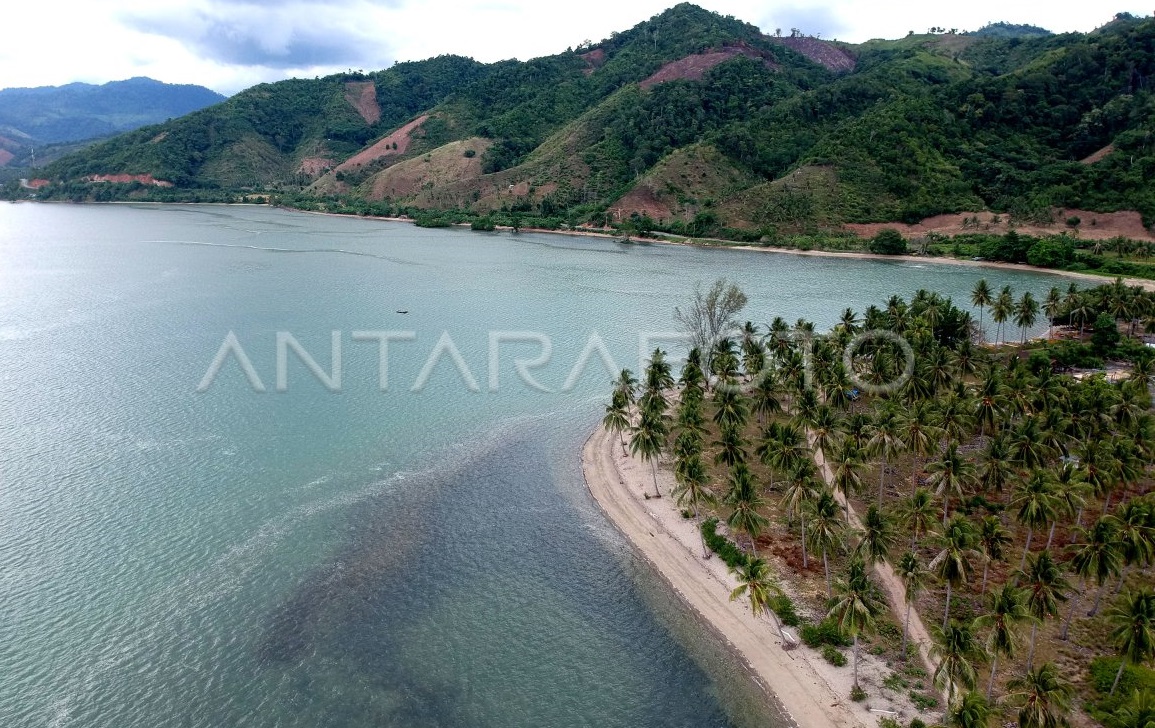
(229, 45)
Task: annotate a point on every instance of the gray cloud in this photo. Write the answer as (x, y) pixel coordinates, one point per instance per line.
(272, 33)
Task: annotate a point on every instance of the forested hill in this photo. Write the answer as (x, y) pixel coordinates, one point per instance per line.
(690, 119)
(80, 111)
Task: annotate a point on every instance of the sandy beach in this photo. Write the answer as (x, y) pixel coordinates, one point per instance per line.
(814, 693)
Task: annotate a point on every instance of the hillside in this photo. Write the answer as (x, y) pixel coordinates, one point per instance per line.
(690, 122)
(63, 115)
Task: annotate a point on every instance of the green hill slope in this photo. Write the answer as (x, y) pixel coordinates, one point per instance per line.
(782, 133)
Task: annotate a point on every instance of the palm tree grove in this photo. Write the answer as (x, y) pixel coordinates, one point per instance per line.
(958, 494)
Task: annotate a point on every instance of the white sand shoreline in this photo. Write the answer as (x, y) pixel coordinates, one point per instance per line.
(670, 544)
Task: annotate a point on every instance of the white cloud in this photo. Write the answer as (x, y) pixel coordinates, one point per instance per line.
(232, 44)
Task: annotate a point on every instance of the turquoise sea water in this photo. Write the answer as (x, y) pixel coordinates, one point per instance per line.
(345, 556)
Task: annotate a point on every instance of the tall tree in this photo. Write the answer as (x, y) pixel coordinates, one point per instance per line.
(981, 296)
(711, 315)
(693, 491)
(957, 650)
(1045, 586)
(1097, 558)
(1133, 629)
(1043, 698)
(877, 537)
(972, 711)
(617, 419)
(856, 605)
(952, 564)
(885, 440)
(649, 439)
(1001, 310)
(1026, 313)
(758, 585)
(826, 531)
(744, 498)
(914, 578)
(952, 474)
(993, 540)
(1006, 613)
(919, 512)
(1034, 501)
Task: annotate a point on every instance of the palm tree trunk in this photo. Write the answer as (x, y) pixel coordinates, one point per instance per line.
(654, 470)
(914, 537)
(881, 481)
(1122, 578)
(1031, 653)
(986, 570)
(946, 612)
(1026, 548)
(945, 507)
(994, 666)
(856, 659)
(1107, 503)
(1078, 525)
(826, 566)
(982, 334)
(1070, 614)
(1098, 598)
(622, 438)
(1118, 675)
(698, 520)
(805, 560)
(1051, 535)
(914, 477)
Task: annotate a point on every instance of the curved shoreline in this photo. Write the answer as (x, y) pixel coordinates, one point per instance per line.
(789, 677)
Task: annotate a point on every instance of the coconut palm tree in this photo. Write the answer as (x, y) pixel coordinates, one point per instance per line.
(1006, 613)
(920, 435)
(981, 296)
(1133, 629)
(745, 499)
(919, 512)
(783, 448)
(730, 408)
(1133, 521)
(801, 489)
(1139, 712)
(617, 419)
(990, 401)
(957, 650)
(1026, 313)
(627, 385)
(1043, 698)
(1001, 310)
(692, 491)
(826, 531)
(731, 447)
(1098, 557)
(1051, 307)
(758, 585)
(952, 474)
(952, 564)
(845, 464)
(885, 441)
(856, 605)
(1035, 500)
(766, 397)
(649, 439)
(914, 578)
(877, 537)
(996, 471)
(1045, 587)
(824, 430)
(993, 540)
(971, 711)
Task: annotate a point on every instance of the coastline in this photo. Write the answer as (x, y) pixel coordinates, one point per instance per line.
(670, 545)
(710, 244)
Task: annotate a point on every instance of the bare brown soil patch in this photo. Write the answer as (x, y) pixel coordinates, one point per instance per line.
(443, 166)
(158, 138)
(144, 179)
(1092, 225)
(692, 68)
(594, 60)
(362, 96)
(314, 166)
(822, 52)
(384, 147)
(1098, 155)
(643, 201)
(5, 157)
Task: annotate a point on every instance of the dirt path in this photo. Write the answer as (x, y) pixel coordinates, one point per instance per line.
(891, 584)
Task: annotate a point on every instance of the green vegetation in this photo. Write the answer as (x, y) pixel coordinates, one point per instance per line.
(766, 147)
(1013, 509)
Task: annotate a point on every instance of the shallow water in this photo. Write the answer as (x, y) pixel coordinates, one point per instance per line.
(310, 557)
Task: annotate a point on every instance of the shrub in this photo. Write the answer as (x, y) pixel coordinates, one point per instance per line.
(917, 723)
(888, 722)
(1106, 334)
(824, 633)
(888, 242)
(923, 701)
(857, 694)
(470, 153)
(783, 606)
(1052, 252)
(833, 655)
(483, 223)
(719, 544)
(1073, 221)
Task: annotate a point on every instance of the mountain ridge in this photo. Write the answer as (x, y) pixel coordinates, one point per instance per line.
(820, 133)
